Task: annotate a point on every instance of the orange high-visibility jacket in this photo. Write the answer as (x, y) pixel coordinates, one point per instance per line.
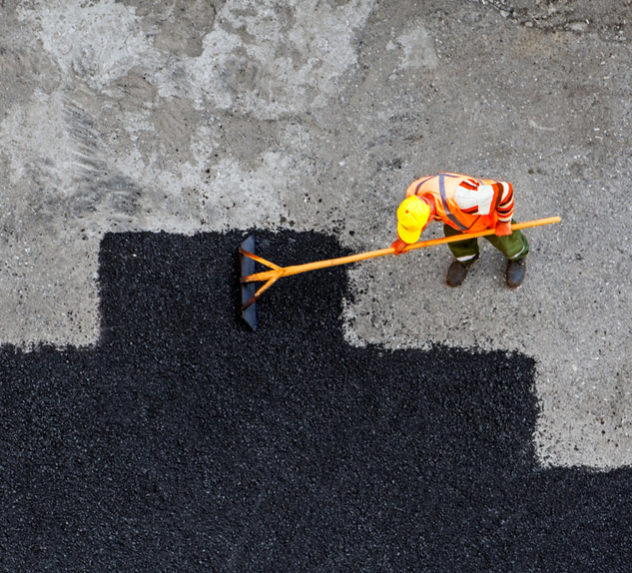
(457, 203)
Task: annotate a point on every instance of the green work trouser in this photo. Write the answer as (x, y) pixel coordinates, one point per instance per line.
(514, 246)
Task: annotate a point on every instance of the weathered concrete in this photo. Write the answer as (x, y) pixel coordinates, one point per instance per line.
(316, 114)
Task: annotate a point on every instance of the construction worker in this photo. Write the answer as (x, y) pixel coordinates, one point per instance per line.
(465, 205)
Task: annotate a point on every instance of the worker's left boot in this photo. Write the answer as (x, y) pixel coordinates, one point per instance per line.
(457, 271)
(516, 271)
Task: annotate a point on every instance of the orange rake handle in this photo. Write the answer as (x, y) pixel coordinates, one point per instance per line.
(276, 272)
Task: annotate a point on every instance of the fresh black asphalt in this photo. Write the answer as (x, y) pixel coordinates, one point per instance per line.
(185, 442)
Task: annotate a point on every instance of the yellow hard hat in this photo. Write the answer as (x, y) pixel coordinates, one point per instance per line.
(412, 216)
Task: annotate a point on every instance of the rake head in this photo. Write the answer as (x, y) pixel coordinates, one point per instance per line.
(248, 289)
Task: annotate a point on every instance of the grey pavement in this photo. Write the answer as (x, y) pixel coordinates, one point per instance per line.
(190, 116)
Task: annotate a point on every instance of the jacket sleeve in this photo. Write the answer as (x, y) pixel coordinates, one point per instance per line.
(505, 205)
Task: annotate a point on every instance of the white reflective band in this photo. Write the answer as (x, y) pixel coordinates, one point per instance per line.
(516, 257)
(481, 198)
(485, 196)
(505, 191)
(465, 259)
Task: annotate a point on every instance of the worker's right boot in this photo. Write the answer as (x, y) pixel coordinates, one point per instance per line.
(457, 271)
(516, 271)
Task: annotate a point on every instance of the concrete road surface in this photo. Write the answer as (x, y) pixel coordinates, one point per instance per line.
(186, 116)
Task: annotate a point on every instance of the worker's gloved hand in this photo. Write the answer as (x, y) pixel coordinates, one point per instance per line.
(503, 229)
(399, 246)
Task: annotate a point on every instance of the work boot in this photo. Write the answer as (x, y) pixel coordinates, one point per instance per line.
(457, 272)
(516, 271)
